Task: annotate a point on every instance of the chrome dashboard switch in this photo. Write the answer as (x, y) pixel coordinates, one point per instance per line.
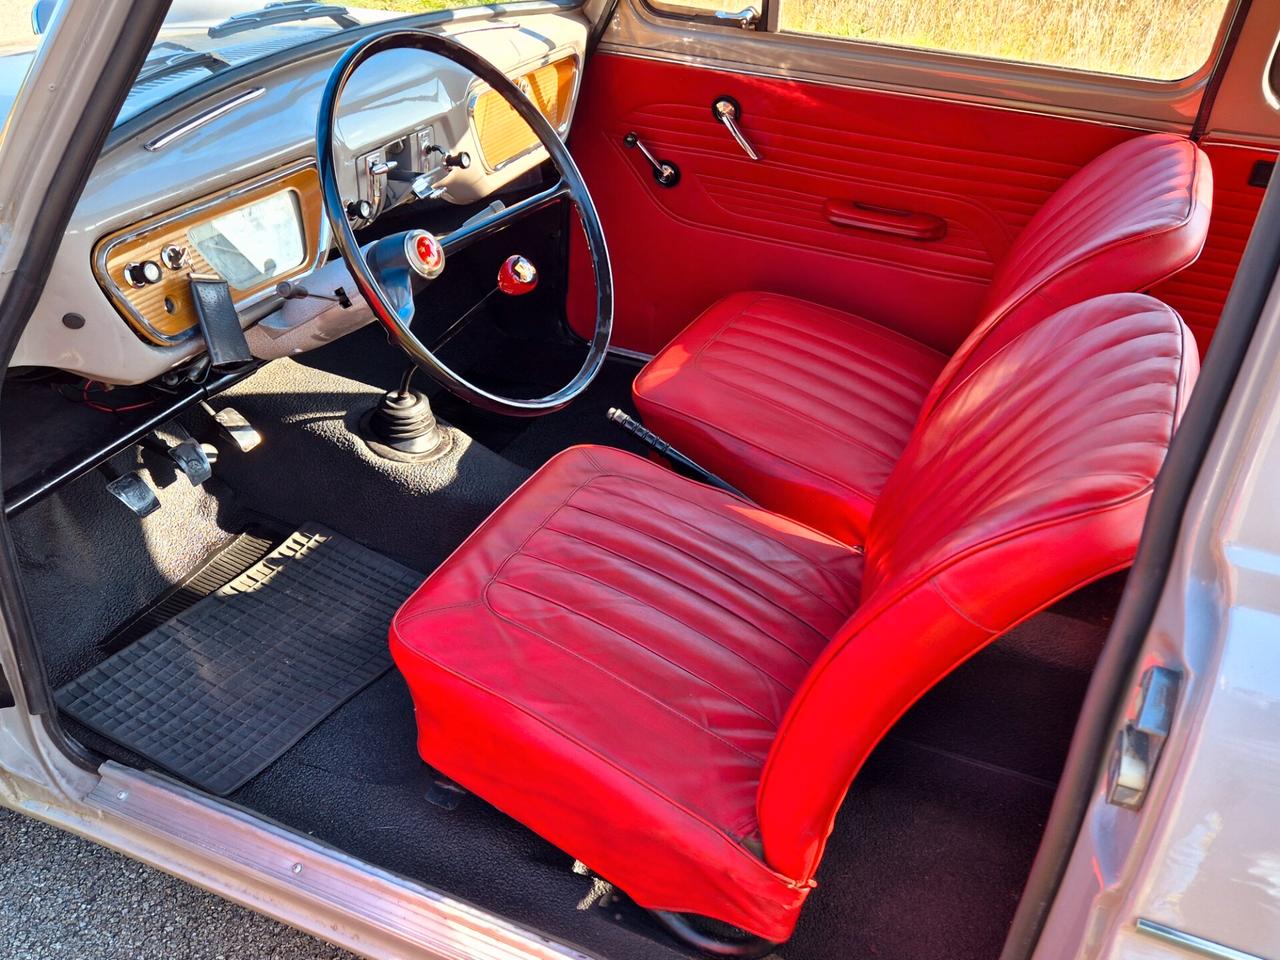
(174, 257)
(141, 274)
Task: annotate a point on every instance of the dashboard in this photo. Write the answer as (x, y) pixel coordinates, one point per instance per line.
(228, 187)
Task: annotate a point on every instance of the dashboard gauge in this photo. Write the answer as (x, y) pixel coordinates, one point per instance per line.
(255, 243)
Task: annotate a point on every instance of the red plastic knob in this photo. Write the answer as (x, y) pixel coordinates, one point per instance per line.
(517, 276)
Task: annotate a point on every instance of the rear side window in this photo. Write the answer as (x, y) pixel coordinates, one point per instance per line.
(1148, 39)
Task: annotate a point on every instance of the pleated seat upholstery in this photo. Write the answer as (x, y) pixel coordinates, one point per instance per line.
(677, 687)
(806, 408)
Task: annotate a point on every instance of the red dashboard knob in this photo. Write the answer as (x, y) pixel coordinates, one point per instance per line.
(517, 276)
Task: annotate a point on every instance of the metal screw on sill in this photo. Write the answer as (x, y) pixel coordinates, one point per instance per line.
(122, 795)
(297, 868)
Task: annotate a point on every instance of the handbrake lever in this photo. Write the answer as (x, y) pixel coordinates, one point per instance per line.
(656, 443)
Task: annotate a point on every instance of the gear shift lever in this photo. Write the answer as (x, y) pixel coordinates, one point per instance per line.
(404, 423)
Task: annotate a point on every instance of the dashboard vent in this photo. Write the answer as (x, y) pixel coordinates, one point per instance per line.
(500, 132)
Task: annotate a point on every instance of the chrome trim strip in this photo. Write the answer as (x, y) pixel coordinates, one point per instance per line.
(1188, 941)
(103, 251)
(200, 119)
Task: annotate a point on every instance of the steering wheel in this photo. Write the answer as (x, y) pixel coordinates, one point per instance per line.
(386, 271)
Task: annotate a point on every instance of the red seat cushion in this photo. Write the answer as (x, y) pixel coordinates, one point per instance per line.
(1030, 480)
(1136, 215)
(803, 408)
(677, 687)
(806, 409)
(608, 658)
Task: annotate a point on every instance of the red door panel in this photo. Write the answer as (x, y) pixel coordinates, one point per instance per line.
(1199, 292)
(783, 224)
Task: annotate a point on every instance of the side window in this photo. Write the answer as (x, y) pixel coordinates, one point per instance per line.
(1147, 39)
(1152, 39)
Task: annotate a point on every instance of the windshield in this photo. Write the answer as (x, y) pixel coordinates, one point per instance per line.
(204, 37)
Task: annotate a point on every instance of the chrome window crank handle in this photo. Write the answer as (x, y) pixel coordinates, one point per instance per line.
(727, 111)
(664, 171)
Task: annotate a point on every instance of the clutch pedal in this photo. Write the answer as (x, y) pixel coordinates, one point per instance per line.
(135, 493)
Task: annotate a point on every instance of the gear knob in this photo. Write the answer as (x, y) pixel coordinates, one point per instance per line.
(517, 276)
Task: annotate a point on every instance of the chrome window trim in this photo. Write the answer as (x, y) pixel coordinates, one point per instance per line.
(103, 252)
(200, 119)
(879, 50)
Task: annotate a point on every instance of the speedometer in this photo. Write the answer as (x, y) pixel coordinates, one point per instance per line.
(255, 243)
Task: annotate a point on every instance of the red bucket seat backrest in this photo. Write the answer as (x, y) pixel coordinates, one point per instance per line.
(1031, 479)
(1128, 219)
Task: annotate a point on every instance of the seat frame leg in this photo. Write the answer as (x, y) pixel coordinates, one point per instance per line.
(713, 937)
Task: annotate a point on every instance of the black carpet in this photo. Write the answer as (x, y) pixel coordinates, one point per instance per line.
(927, 860)
(933, 842)
(89, 565)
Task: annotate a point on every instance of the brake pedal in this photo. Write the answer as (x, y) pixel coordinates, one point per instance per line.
(656, 443)
(135, 493)
(185, 452)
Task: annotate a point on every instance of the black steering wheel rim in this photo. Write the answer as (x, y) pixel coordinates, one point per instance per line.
(396, 318)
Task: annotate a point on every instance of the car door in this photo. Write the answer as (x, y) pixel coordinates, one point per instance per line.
(888, 178)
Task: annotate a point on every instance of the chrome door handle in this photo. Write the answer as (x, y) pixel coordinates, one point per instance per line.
(727, 111)
(747, 19)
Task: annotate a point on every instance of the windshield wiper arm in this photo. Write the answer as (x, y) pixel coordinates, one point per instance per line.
(283, 11)
(180, 62)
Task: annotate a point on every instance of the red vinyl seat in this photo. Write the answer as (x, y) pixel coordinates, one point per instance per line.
(677, 687)
(805, 408)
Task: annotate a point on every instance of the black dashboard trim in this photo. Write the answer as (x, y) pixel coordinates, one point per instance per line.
(237, 75)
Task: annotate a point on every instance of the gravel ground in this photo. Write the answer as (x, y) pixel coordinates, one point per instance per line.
(63, 898)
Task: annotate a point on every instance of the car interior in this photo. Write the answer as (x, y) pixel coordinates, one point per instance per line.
(674, 506)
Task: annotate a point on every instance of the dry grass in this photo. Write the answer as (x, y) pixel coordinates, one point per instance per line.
(1160, 39)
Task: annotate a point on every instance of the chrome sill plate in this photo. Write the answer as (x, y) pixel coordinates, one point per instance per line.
(1188, 941)
(298, 880)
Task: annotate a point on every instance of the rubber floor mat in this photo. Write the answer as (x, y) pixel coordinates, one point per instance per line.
(221, 690)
